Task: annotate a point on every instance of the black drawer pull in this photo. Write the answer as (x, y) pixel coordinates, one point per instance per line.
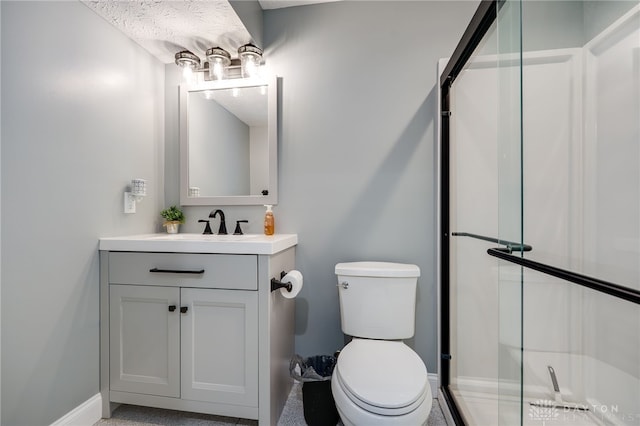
(176, 271)
(184, 309)
(172, 308)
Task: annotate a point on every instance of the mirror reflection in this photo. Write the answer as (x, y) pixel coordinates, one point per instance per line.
(228, 143)
(228, 128)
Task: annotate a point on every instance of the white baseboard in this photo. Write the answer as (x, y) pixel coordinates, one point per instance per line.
(90, 411)
(433, 382)
(84, 414)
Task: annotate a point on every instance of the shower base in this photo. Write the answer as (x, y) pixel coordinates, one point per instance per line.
(483, 408)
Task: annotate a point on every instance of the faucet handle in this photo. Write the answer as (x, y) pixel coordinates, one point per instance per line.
(207, 228)
(238, 230)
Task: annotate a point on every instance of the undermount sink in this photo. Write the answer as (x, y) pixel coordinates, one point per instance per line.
(200, 243)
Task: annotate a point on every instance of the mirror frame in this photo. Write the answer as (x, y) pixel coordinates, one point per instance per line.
(272, 140)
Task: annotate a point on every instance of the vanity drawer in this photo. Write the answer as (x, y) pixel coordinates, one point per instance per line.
(230, 271)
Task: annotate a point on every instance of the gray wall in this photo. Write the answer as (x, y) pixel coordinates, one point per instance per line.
(358, 164)
(250, 13)
(551, 25)
(598, 15)
(82, 114)
(358, 158)
(357, 170)
(561, 24)
(357, 148)
(545, 25)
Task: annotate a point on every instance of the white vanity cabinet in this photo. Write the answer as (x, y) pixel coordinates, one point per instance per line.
(197, 344)
(144, 349)
(220, 346)
(198, 332)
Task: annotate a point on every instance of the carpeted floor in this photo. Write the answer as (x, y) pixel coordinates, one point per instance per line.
(130, 415)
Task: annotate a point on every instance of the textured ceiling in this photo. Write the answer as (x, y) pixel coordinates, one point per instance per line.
(166, 27)
(277, 4)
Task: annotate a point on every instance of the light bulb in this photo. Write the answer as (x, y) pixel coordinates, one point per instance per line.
(189, 76)
(250, 58)
(249, 67)
(219, 59)
(187, 73)
(217, 70)
(188, 62)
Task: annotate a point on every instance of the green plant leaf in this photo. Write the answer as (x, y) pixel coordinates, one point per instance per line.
(172, 214)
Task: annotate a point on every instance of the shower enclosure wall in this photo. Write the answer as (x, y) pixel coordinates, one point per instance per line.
(540, 215)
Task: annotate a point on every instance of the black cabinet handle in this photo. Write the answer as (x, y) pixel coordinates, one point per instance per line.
(176, 271)
(172, 308)
(184, 309)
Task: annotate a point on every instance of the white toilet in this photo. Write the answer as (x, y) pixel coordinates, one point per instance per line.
(378, 380)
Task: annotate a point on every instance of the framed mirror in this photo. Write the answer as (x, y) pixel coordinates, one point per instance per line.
(228, 142)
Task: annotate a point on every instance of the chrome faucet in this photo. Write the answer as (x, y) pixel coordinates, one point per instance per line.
(222, 230)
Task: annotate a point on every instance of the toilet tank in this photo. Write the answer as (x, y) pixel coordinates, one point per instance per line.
(377, 299)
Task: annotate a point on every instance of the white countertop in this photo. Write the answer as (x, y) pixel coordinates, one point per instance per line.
(199, 243)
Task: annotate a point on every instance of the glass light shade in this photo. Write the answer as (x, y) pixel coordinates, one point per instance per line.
(189, 63)
(219, 60)
(250, 58)
(185, 58)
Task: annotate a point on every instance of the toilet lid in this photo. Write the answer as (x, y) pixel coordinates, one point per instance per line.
(381, 373)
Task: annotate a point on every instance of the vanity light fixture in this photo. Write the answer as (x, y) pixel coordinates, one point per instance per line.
(219, 61)
(219, 64)
(188, 62)
(250, 58)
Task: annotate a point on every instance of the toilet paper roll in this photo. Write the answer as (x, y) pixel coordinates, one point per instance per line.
(295, 278)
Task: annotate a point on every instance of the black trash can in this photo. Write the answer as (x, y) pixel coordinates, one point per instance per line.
(317, 399)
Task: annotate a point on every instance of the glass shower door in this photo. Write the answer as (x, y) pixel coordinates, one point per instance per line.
(483, 360)
(540, 215)
(509, 140)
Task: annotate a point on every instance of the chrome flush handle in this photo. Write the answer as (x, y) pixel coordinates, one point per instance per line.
(344, 284)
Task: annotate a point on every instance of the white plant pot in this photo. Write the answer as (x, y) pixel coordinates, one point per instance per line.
(172, 227)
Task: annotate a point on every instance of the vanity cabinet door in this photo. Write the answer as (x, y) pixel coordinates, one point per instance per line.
(220, 346)
(144, 339)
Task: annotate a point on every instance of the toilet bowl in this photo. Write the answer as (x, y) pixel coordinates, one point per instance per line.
(378, 379)
(378, 382)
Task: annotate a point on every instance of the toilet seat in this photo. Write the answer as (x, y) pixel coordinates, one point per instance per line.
(383, 377)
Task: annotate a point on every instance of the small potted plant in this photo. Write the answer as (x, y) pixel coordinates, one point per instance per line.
(173, 217)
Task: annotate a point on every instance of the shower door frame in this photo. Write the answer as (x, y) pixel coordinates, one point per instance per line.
(480, 23)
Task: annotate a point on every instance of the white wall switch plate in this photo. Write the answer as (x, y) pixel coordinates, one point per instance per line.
(129, 203)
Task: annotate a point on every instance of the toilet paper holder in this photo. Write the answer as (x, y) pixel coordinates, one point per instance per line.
(276, 284)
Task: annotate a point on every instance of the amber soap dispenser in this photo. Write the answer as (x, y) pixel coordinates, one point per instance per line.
(269, 222)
